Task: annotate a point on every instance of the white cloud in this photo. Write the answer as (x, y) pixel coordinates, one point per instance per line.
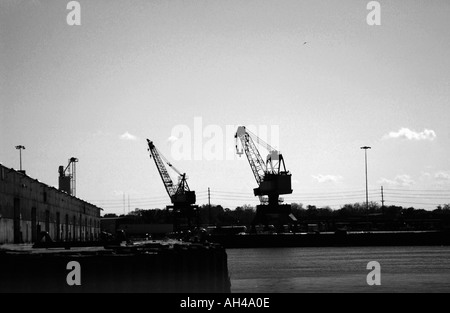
(436, 179)
(128, 136)
(406, 133)
(172, 139)
(327, 178)
(442, 176)
(425, 175)
(399, 180)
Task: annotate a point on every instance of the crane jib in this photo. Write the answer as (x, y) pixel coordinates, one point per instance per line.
(272, 177)
(179, 193)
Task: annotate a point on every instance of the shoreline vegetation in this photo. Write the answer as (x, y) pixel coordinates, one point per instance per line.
(350, 217)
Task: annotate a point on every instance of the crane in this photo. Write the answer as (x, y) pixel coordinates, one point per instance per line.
(271, 175)
(182, 198)
(67, 182)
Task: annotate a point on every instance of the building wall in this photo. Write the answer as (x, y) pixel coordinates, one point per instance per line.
(27, 206)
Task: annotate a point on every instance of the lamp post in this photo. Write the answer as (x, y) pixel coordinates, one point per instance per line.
(365, 158)
(20, 148)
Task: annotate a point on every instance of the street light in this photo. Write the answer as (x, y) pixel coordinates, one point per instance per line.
(365, 157)
(20, 148)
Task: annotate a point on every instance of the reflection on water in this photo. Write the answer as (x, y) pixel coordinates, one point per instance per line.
(339, 269)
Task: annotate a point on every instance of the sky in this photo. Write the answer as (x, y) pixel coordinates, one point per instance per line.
(313, 78)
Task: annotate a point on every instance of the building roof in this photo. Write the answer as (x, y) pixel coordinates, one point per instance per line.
(50, 187)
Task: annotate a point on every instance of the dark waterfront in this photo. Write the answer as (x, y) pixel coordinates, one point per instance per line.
(339, 269)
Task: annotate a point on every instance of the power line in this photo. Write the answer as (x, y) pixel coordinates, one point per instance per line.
(419, 190)
(231, 193)
(417, 194)
(418, 197)
(417, 203)
(392, 195)
(120, 200)
(306, 193)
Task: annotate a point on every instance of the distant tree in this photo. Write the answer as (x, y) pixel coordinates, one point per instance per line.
(211, 215)
(445, 207)
(136, 212)
(358, 209)
(325, 212)
(110, 215)
(225, 217)
(298, 211)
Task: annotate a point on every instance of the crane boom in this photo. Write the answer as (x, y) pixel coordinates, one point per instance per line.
(179, 194)
(253, 156)
(167, 180)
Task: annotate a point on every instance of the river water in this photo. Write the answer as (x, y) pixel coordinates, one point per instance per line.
(339, 269)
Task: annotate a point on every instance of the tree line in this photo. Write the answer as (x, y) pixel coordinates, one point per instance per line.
(355, 216)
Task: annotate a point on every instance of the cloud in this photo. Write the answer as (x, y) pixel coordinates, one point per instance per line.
(425, 175)
(399, 180)
(406, 133)
(326, 178)
(128, 136)
(172, 139)
(442, 176)
(437, 178)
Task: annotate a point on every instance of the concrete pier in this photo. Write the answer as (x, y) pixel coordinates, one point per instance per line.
(152, 266)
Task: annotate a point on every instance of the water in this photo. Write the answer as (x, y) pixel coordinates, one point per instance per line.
(339, 269)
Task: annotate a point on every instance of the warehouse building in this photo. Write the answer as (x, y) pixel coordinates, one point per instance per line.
(29, 208)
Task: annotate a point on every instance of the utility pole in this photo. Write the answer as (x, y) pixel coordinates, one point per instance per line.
(20, 148)
(382, 197)
(367, 192)
(209, 206)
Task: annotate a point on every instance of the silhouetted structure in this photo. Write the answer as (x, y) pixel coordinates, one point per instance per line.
(272, 177)
(29, 207)
(182, 198)
(157, 266)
